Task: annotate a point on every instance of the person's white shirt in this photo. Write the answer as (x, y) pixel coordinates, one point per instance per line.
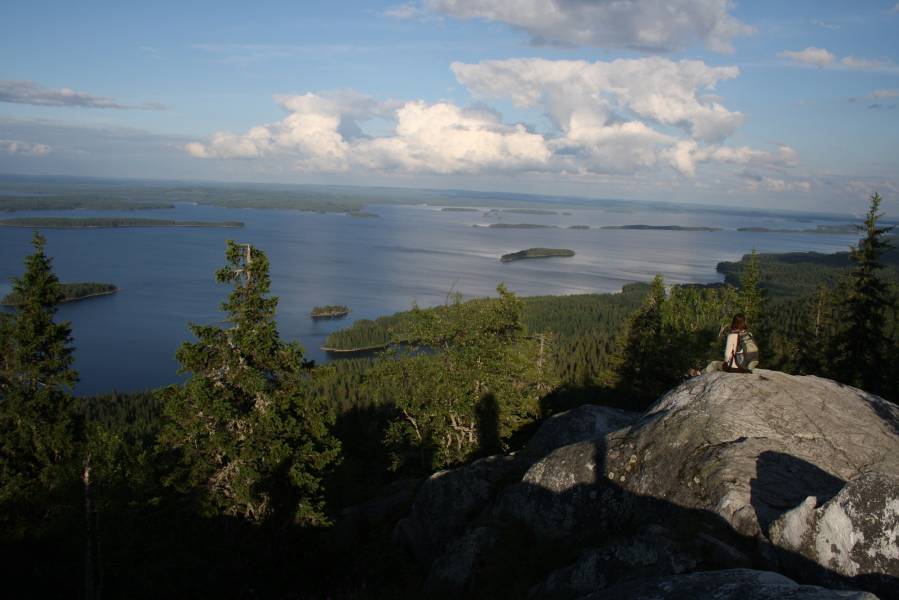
(730, 348)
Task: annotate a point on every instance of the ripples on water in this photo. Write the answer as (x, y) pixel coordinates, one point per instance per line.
(375, 266)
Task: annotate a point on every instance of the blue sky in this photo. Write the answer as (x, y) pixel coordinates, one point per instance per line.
(782, 104)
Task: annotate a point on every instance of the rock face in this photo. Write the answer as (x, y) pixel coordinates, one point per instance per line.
(578, 425)
(448, 501)
(725, 463)
(733, 584)
(749, 447)
(856, 534)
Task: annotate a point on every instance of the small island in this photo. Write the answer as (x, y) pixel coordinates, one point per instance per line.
(329, 311)
(459, 209)
(516, 226)
(661, 227)
(529, 211)
(578, 227)
(108, 222)
(536, 253)
(70, 292)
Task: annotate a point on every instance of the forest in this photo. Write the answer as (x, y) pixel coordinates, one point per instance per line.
(240, 481)
(70, 292)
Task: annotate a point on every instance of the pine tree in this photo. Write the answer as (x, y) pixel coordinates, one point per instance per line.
(253, 439)
(862, 344)
(37, 426)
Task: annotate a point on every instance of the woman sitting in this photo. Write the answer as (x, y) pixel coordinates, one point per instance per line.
(741, 354)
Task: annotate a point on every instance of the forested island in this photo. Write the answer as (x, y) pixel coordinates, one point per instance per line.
(70, 292)
(75, 202)
(828, 229)
(459, 209)
(516, 226)
(661, 227)
(578, 227)
(108, 223)
(536, 253)
(329, 311)
(529, 211)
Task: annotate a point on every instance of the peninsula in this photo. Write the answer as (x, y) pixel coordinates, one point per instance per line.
(329, 311)
(536, 253)
(70, 292)
(108, 222)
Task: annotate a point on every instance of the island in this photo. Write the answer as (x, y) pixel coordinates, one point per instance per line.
(459, 209)
(362, 214)
(536, 253)
(826, 229)
(329, 311)
(529, 211)
(578, 227)
(516, 226)
(661, 227)
(108, 222)
(70, 292)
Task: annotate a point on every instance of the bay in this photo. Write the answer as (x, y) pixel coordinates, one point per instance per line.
(376, 266)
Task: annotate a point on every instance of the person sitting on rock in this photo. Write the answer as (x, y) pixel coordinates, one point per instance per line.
(741, 354)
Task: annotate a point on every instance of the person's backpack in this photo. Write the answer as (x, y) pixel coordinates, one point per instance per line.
(747, 354)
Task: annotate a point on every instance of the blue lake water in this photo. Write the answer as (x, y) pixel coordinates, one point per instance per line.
(374, 265)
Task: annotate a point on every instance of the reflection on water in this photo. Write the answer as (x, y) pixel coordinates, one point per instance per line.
(375, 266)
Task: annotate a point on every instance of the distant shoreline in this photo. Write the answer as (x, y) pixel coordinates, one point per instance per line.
(109, 223)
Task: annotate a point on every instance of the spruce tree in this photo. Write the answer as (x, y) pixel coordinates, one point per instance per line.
(751, 296)
(862, 344)
(253, 439)
(37, 432)
(642, 366)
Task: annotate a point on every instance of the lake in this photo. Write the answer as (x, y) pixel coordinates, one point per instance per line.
(375, 266)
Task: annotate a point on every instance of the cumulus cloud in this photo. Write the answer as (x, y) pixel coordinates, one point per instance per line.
(604, 118)
(643, 25)
(29, 92)
(810, 56)
(579, 94)
(24, 148)
(428, 138)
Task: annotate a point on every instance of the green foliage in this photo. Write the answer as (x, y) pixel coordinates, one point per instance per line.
(751, 297)
(70, 291)
(252, 438)
(37, 430)
(861, 344)
(468, 384)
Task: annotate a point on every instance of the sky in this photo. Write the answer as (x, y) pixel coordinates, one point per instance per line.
(767, 104)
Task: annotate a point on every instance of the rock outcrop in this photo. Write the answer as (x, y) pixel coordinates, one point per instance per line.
(737, 469)
(855, 535)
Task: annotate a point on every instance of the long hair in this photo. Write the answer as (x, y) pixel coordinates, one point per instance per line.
(739, 322)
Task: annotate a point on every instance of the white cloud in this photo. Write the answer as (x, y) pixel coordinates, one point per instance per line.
(578, 93)
(810, 56)
(606, 118)
(644, 25)
(24, 148)
(29, 92)
(883, 94)
(866, 64)
(819, 57)
(408, 10)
